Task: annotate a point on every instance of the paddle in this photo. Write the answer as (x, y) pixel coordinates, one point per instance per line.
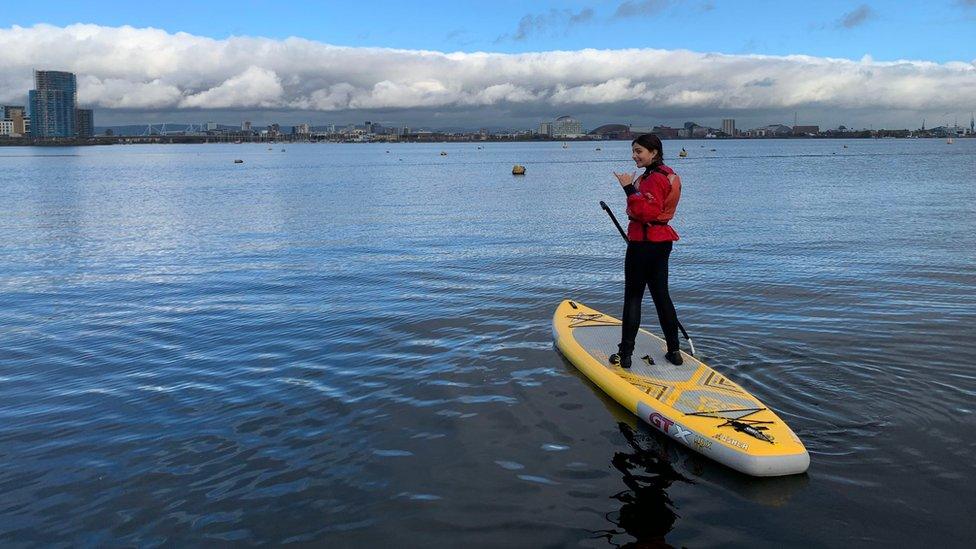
(624, 236)
(614, 219)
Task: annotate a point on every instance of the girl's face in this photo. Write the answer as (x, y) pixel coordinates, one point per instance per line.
(643, 157)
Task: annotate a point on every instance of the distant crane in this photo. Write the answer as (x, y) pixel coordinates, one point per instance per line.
(162, 129)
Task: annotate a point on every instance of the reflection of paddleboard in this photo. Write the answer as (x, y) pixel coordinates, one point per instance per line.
(691, 403)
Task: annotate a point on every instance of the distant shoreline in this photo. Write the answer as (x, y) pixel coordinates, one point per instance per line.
(288, 139)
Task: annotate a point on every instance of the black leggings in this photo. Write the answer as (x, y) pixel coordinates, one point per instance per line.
(647, 265)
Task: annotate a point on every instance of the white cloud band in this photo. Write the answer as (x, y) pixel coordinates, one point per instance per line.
(149, 69)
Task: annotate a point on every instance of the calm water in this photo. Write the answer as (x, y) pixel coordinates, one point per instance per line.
(339, 344)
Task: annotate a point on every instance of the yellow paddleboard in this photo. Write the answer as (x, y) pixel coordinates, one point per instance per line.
(691, 403)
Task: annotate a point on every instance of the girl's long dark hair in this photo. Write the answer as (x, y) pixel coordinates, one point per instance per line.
(651, 142)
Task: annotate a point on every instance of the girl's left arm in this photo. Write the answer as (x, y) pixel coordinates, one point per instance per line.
(671, 202)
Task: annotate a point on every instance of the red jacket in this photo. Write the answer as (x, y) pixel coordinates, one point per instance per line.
(651, 202)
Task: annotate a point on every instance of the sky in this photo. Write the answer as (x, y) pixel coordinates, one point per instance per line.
(503, 63)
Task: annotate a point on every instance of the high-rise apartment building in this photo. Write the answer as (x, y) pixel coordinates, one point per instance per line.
(84, 123)
(567, 126)
(728, 126)
(52, 104)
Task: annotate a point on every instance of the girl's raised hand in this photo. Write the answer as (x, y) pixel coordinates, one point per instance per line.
(625, 178)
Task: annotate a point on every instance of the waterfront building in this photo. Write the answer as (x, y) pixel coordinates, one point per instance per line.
(246, 126)
(728, 126)
(773, 130)
(687, 130)
(14, 127)
(301, 129)
(665, 132)
(612, 131)
(545, 128)
(948, 131)
(210, 126)
(806, 130)
(13, 112)
(52, 104)
(567, 126)
(84, 123)
(17, 116)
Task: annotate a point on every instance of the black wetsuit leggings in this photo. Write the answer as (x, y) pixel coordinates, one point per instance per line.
(647, 265)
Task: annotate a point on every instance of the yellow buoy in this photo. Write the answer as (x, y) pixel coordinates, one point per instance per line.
(518, 169)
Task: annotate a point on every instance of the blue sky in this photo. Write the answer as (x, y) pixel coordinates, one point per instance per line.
(503, 63)
(935, 30)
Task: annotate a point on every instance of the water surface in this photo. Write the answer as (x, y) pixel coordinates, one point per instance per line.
(351, 344)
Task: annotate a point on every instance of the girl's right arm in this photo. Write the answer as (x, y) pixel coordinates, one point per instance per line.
(645, 206)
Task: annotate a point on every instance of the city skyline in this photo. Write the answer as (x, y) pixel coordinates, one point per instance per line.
(52, 112)
(181, 72)
(539, 127)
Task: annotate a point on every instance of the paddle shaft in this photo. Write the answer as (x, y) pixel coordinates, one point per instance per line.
(624, 236)
(614, 219)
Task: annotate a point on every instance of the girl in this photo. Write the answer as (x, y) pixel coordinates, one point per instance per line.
(651, 202)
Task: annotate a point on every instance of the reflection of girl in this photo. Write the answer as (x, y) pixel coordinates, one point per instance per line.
(647, 512)
(651, 202)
